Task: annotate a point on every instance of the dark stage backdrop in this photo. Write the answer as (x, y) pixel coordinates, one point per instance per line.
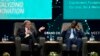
(7, 26)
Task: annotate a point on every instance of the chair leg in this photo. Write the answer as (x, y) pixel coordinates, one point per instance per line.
(69, 53)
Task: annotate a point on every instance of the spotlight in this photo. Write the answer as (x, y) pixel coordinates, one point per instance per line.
(85, 20)
(57, 0)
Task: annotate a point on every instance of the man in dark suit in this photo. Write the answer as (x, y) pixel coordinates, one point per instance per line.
(28, 34)
(73, 35)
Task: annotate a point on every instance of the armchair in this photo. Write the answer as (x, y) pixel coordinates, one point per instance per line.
(23, 47)
(84, 39)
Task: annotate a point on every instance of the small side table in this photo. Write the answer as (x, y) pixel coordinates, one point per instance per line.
(52, 46)
(7, 46)
(93, 46)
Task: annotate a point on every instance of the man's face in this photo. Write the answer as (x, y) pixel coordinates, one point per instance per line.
(28, 24)
(73, 24)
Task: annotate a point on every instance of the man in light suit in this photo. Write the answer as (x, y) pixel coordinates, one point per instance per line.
(73, 35)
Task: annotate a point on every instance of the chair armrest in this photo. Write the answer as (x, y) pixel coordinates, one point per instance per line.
(60, 39)
(41, 40)
(18, 41)
(18, 46)
(84, 52)
(84, 39)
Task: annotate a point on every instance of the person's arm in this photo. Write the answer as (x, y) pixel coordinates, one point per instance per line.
(34, 37)
(20, 33)
(63, 34)
(80, 32)
(41, 31)
(37, 34)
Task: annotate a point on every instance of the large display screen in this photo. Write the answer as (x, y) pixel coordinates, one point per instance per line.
(25, 9)
(81, 9)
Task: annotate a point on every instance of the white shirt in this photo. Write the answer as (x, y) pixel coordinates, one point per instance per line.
(26, 30)
(72, 34)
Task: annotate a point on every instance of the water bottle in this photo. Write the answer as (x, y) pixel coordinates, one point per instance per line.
(4, 37)
(7, 38)
(51, 39)
(92, 38)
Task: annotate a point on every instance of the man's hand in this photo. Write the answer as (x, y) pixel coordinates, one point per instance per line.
(41, 28)
(28, 33)
(36, 44)
(77, 27)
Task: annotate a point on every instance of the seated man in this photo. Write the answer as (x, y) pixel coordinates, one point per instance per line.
(73, 35)
(28, 34)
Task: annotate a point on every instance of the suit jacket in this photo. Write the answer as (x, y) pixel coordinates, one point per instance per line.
(21, 34)
(77, 34)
